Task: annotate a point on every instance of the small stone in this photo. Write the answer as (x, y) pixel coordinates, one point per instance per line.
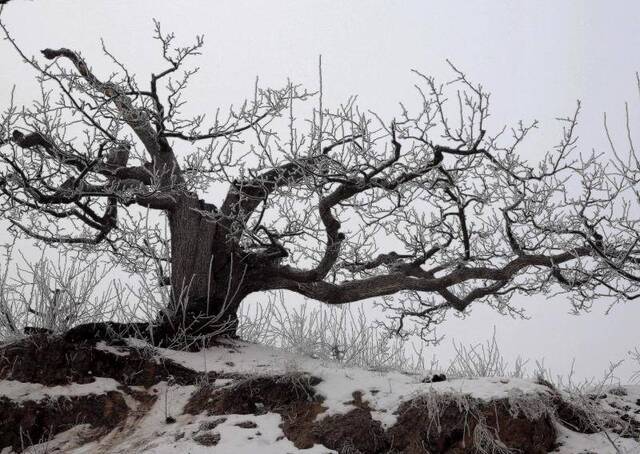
(207, 438)
(435, 378)
(247, 425)
(209, 425)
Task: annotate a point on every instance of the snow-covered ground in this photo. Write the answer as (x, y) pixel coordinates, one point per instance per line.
(147, 430)
(384, 390)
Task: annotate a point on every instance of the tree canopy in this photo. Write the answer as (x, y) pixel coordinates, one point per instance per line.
(341, 206)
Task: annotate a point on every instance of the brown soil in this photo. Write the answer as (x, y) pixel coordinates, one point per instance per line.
(354, 431)
(358, 402)
(255, 395)
(416, 431)
(420, 430)
(292, 396)
(298, 422)
(30, 422)
(55, 361)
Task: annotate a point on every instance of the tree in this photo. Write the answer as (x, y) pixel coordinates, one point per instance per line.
(464, 216)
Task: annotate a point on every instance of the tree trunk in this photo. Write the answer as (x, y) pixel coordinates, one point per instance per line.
(208, 278)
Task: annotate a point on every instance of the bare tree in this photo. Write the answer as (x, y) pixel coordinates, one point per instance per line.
(342, 207)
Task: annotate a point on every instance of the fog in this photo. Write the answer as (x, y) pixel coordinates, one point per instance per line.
(536, 58)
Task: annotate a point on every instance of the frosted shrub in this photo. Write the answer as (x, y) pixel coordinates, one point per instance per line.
(483, 360)
(333, 333)
(53, 293)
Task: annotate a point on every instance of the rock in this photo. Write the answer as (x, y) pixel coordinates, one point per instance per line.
(435, 378)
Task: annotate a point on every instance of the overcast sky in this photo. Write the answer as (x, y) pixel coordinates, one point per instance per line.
(537, 58)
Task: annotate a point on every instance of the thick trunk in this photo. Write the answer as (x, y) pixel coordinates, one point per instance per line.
(208, 280)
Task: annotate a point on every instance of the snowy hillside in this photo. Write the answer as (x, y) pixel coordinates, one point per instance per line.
(245, 398)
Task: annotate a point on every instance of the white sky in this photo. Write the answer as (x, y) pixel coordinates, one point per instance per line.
(537, 58)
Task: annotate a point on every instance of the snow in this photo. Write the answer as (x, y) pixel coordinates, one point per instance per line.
(266, 438)
(152, 435)
(576, 443)
(384, 390)
(147, 431)
(113, 350)
(18, 391)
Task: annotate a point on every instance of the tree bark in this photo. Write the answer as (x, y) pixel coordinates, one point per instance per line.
(208, 276)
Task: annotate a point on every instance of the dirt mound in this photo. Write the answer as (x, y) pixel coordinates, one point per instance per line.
(449, 424)
(29, 422)
(353, 432)
(435, 424)
(52, 361)
(254, 395)
(55, 361)
(292, 396)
